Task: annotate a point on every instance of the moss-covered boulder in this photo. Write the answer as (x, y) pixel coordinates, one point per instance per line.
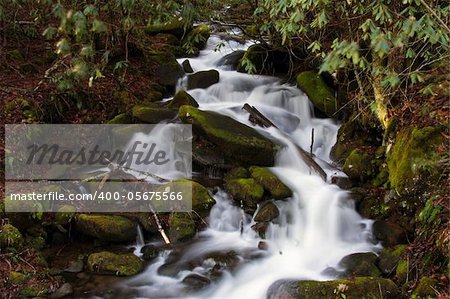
(246, 190)
(318, 92)
(198, 37)
(182, 98)
(357, 288)
(165, 67)
(360, 264)
(203, 79)
(122, 118)
(10, 237)
(389, 258)
(270, 182)
(358, 165)
(152, 115)
(236, 141)
(106, 262)
(267, 212)
(426, 288)
(402, 271)
(237, 173)
(413, 158)
(181, 227)
(175, 26)
(109, 228)
(65, 214)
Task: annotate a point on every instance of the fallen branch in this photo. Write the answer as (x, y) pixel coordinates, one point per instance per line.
(259, 119)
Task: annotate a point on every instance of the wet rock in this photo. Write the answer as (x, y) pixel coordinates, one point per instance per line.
(187, 67)
(359, 287)
(106, 262)
(265, 61)
(224, 260)
(261, 228)
(389, 259)
(270, 182)
(181, 227)
(196, 281)
(203, 79)
(167, 68)
(360, 264)
(109, 228)
(149, 252)
(236, 141)
(318, 92)
(263, 245)
(63, 291)
(152, 115)
(246, 190)
(358, 165)
(76, 266)
(10, 237)
(342, 182)
(198, 37)
(267, 212)
(120, 119)
(206, 154)
(182, 98)
(390, 234)
(232, 59)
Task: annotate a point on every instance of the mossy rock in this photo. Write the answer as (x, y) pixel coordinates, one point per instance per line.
(181, 227)
(267, 212)
(356, 288)
(120, 119)
(109, 228)
(17, 277)
(246, 190)
(237, 141)
(413, 158)
(360, 264)
(265, 61)
(198, 37)
(166, 66)
(154, 96)
(203, 79)
(152, 115)
(174, 26)
(389, 258)
(318, 92)
(358, 165)
(65, 214)
(426, 288)
(182, 98)
(402, 271)
(115, 264)
(202, 202)
(270, 182)
(10, 237)
(34, 291)
(237, 173)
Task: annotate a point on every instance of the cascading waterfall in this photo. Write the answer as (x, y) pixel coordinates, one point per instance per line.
(316, 227)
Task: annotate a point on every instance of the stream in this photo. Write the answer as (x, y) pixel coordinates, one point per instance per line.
(316, 228)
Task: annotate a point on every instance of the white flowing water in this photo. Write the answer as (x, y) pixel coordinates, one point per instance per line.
(316, 227)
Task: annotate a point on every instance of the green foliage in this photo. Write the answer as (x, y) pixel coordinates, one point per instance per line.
(393, 42)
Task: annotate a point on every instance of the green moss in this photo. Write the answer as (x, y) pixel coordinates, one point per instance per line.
(267, 212)
(174, 26)
(237, 173)
(182, 98)
(426, 288)
(17, 277)
(65, 214)
(357, 288)
(412, 157)
(181, 227)
(117, 264)
(106, 227)
(358, 165)
(120, 119)
(152, 115)
(237, 141)
(401, 273)
(198, 37)
(247, 190)
(10, 237)
(16, 54)
(33, 291)
(37, 243)
(270, 182)
(318, 92)
(154, 96)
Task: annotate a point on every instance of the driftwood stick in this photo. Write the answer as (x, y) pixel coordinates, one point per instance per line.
(259, 119)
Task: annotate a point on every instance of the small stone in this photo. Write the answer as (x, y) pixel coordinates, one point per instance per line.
(263, 245)
(65, 290)
(149, 252)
